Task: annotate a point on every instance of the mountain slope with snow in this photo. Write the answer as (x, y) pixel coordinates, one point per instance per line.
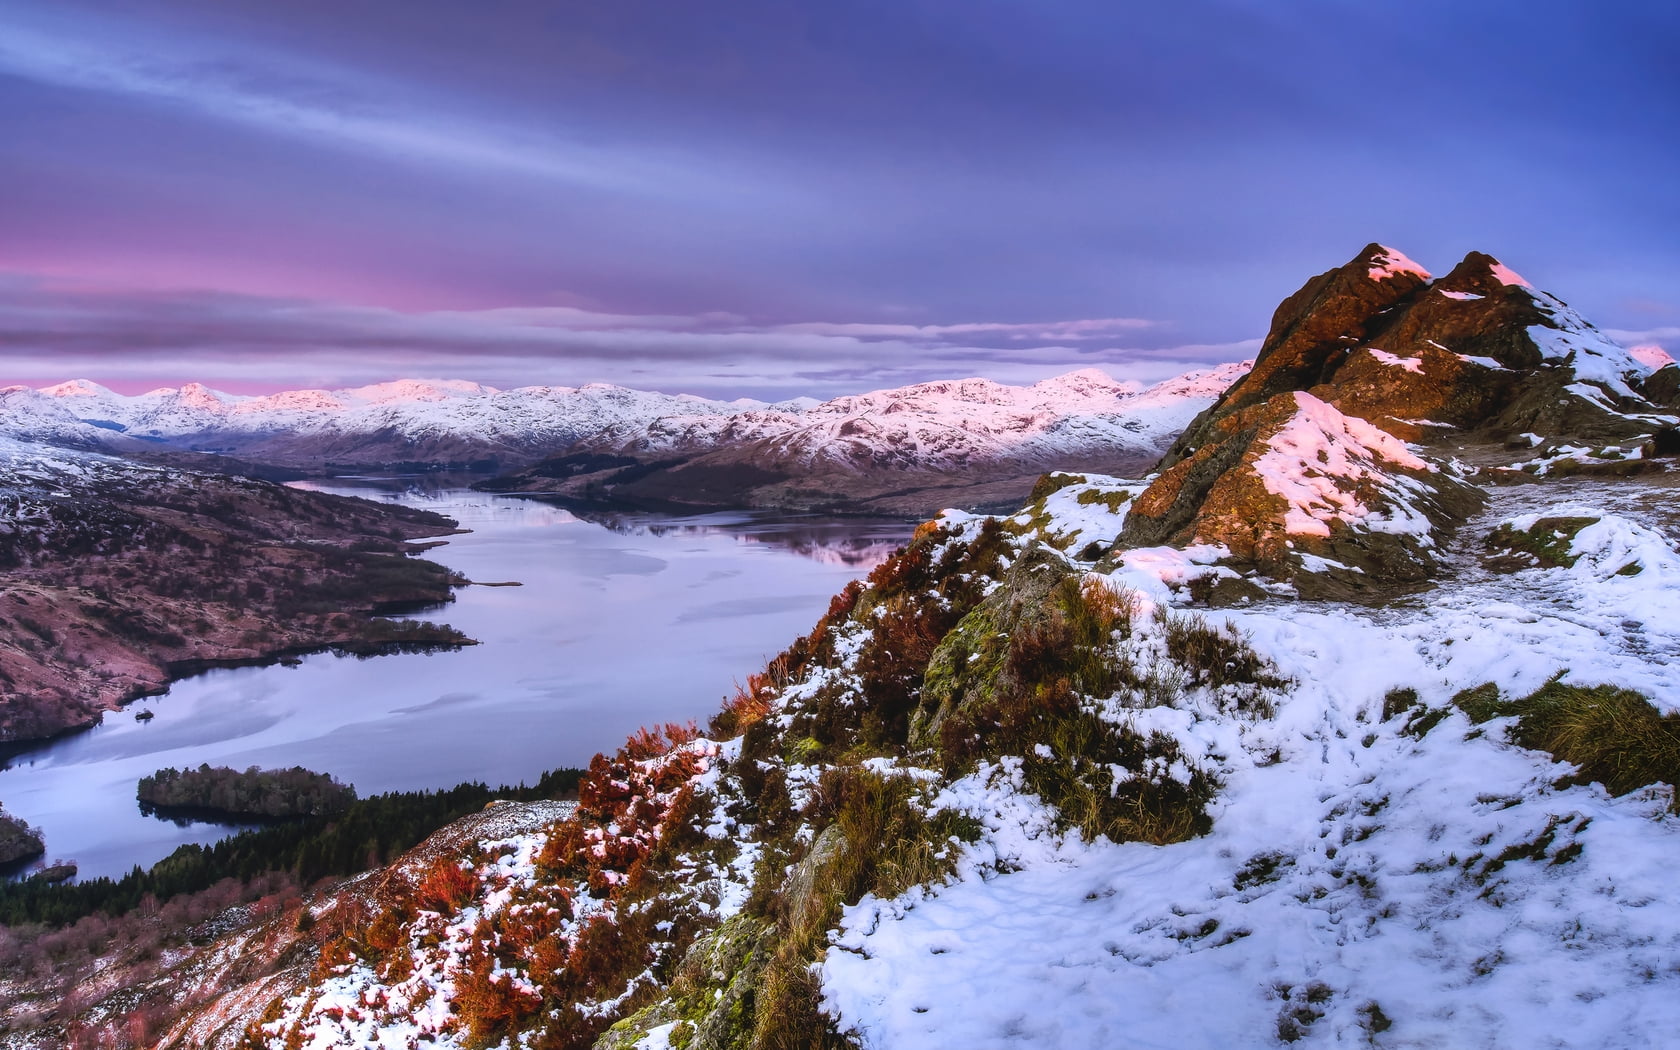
(1093, 774)
(119, 577)
(914, 449)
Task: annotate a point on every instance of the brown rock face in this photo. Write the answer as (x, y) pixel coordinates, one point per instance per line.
(1364, 354)
(1663, 386)
(1378, 341)
(1312, 333)
(1293, 476)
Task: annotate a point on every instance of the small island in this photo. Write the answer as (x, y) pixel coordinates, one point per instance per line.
(18, 841)
(224, 794)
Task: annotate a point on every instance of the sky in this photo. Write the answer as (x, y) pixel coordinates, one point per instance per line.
(786, 198)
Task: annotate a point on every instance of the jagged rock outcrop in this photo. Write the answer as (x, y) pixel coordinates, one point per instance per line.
(1479, 350)
(1292, 483)
(1304, 456)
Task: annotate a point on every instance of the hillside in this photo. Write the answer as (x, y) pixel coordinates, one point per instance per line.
(1339, 728)
(119, 578)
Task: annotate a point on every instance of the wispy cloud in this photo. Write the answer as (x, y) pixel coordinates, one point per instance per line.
(1061, 331)
(332, 107)
(1666, 336)
(53, 331)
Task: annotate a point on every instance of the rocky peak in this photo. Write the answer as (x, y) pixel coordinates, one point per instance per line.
(1313, 329)
(1375, 348)
(1477, 350)
(1293, 484)
(1481, 274)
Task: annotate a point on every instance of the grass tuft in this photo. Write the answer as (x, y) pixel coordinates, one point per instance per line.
(1546, 544)
(1615, 736)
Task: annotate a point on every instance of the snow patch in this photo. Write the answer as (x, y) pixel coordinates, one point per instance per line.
(1410, 364)
(1508, 277)
(1389, 262)
(1320, 458)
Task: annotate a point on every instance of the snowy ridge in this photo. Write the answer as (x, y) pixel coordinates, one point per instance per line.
(33, 415)
(941, 425)
(539, 416)
(1358, 879)
(949, 424)
(1571, 340)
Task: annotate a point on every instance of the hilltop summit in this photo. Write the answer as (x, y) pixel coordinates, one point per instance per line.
(1360, 359)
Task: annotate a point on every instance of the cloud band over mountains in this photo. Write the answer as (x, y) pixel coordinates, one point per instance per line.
(57, 330)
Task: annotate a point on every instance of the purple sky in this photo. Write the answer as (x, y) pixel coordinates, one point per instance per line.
(778, 198)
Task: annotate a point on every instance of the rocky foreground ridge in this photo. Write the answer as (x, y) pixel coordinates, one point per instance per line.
(1119, 769)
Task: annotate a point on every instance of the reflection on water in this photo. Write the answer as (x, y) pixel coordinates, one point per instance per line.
(650, 620)
(861, 543)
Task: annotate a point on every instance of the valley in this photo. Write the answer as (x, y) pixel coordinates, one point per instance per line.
(1358, 714)
(560, 671)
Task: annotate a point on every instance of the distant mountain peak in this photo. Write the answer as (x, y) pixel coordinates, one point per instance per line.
(418, 390)
(78, 388)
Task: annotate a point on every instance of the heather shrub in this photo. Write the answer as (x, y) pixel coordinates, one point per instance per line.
(445, 886)
(1215, 656)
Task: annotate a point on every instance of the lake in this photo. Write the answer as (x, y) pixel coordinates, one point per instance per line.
(622, 621)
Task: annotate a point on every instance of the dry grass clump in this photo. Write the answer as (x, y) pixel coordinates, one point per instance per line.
(1546, 543)
(1102, 778)
(1615, 736)
(1110, 781)
(1215, 656)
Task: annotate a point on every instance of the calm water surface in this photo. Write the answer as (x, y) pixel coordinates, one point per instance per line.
(619, 623)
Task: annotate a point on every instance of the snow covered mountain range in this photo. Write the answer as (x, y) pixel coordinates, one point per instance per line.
(970, 432)
(930, 424)
(414, 421)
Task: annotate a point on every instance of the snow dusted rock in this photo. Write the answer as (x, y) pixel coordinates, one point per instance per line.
(1477, 350)
(1293, 483)
(1300, 465)
(1313, 329)
(1663, 386)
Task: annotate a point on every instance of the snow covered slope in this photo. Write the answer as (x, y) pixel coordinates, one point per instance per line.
(948, 424)
(1020, 792)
